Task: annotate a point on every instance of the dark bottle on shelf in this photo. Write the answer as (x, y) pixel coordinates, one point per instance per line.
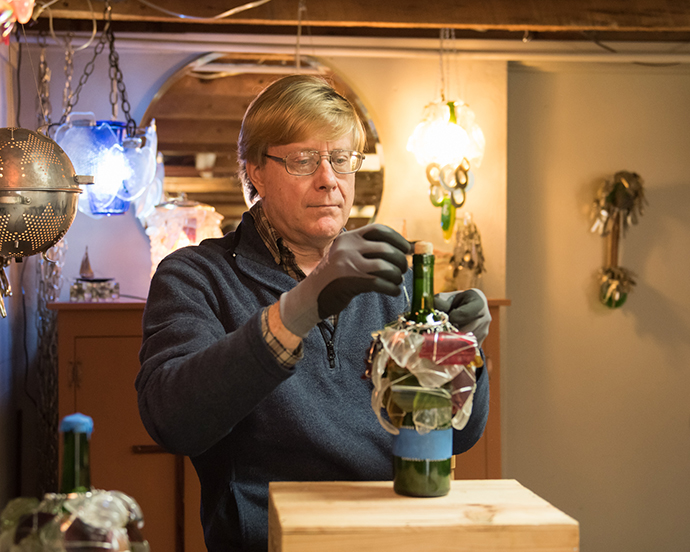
(421, 462)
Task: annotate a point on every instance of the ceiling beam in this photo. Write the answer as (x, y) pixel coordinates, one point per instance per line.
(654, 16)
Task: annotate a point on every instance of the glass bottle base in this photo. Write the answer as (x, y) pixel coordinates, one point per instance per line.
(421, 478)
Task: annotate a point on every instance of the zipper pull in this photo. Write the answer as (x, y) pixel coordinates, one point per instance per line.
(331, 354)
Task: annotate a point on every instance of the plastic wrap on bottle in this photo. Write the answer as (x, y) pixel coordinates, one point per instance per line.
(415, 369)
(97, 520)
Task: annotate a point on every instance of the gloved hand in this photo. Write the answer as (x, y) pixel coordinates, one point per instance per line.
(371, 258)
(467, 310)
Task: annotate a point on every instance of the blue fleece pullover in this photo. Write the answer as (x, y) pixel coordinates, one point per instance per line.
(209, 388)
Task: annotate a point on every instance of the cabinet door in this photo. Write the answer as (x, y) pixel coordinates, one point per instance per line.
(106, 370)
(193, 532)
(483, 460)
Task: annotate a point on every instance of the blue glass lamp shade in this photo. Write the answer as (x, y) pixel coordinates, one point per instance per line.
(122, 166)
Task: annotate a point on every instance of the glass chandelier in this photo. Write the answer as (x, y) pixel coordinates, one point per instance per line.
(449, 143)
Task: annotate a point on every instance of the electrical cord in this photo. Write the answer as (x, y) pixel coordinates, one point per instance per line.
(603, 46)
(46, 6)
(33, 73)
(223, 15)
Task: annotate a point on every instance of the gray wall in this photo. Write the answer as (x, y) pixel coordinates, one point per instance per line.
(596, 400)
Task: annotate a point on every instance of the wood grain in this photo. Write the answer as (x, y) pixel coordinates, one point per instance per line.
(496, 515)
(536, 15)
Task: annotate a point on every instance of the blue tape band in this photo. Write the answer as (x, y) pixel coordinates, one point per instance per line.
(435, 445)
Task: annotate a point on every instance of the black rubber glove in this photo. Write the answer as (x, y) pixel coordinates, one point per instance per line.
(371, 258)
(467, 310)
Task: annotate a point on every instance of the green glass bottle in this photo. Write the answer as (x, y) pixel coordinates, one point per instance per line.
(421, 462)
(76, 472)
(422, 307)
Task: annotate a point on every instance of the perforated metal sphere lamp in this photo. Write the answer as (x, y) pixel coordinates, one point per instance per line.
(39, 192)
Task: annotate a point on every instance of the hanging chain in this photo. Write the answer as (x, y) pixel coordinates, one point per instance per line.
(446, 56)
(301, 12)
(50, 280)
(117, 78)
(112, 73)
(442, 69)
(446, 34)
(71, 99)
(43, 106)
(113, 95)
(458, 83)
(69, 72)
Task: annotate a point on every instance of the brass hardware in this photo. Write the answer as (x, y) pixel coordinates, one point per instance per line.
(147, 449)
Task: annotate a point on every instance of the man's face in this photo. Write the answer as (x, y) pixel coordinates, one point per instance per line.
(307, 211)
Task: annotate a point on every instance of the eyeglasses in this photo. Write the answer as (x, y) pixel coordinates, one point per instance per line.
(304, 163)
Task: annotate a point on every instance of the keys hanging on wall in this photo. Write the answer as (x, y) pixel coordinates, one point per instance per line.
(618, 205)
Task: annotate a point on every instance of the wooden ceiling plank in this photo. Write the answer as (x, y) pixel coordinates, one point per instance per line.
(179, 149)
(536, 15)
(185, 106)
(245, 85)
(224, 166)
(204, 131)
(227, 186)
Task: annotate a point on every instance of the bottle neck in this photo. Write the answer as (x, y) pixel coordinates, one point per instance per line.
(76, 473)
(422, 308)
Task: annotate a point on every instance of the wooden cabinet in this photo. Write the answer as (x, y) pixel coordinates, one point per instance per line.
(98, 348)
(483, 460)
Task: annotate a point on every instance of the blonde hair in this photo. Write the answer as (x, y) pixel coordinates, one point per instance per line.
(294, 109)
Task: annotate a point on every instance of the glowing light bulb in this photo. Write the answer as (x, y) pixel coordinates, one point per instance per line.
(446, 138)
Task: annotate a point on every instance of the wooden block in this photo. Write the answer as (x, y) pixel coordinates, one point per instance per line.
(477, 515)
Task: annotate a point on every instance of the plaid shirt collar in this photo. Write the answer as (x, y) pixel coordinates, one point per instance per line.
(279, 251)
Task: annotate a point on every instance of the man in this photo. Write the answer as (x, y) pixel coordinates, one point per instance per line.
(254, 343)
